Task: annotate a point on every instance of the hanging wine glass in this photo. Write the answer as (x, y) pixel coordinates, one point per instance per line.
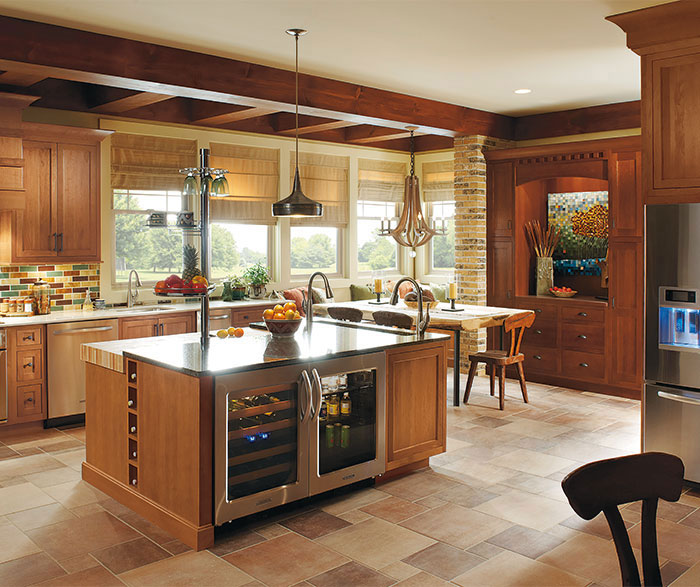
(219, 186)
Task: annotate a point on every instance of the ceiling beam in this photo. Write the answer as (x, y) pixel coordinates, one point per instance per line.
(136, 100)
(362, 135)
(233, 116)
(20, 79)
(285, 124)
(54, 51)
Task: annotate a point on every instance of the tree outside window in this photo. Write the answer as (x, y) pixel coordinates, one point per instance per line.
(442, 248)
(314, 249)
(374, 252)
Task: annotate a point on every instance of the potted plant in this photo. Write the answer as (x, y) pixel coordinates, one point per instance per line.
(257, 277)
(234, 289)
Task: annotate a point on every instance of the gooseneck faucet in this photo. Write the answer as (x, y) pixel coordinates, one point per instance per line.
(309, 297)
(422, 321)
(133, 295)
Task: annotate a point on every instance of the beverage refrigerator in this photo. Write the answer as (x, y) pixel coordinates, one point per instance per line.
(671, 399)
(285, 433)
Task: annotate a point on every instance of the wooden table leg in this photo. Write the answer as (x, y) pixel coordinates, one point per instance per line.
(455, 368)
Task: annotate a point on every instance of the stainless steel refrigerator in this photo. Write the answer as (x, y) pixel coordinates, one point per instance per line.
(671, 401)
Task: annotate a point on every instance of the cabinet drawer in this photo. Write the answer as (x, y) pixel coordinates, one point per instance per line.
(543, 312)
(541, 334)
(540, 360)
(242, 318)
(583, 337)
(585, 366)
(28, 335)
(29, 400)
(583, 314)
(30, 365)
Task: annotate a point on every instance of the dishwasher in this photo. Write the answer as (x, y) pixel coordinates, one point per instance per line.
(66, 372)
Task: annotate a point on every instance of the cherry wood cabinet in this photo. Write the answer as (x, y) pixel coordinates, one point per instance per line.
(26, 374)
(147, 326)
(177, 324)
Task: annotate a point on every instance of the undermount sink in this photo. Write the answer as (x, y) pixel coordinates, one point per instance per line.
(144, 309)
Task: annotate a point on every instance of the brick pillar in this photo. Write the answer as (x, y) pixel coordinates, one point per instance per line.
(470, 229)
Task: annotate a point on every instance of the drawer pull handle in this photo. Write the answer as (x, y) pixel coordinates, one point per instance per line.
(538, 357)
(30, 364)
(583, 364)
(133, 376)
(538, 332)
(583, 336)
(133, 429)
(130, 403)
(28, 337)
(584, 314)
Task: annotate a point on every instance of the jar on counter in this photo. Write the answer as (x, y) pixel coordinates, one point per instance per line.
(28, 305)
(13, 306)
(4, 306)
(41, 303)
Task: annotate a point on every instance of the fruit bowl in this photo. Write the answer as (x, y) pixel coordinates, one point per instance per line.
(184, 292)
(283, 328)
(563, 294)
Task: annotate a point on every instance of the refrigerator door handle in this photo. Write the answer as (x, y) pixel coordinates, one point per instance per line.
(319, 388)
(305, 384)
(678, 398)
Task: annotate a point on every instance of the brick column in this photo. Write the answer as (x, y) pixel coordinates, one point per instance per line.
(470, 229)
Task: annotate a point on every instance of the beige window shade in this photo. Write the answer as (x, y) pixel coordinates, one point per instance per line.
(253, 181)
(324, 178)
(141, 162)
(438, 181)
(381, 181)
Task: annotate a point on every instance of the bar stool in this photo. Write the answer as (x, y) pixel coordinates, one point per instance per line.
(347, 314)
(385, 318)
(495, 359)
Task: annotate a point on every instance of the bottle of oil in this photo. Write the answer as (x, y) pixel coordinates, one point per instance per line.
(345, 407)
(333, 407)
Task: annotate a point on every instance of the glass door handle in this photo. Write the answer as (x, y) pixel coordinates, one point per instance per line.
(317, 381)
(305, 384)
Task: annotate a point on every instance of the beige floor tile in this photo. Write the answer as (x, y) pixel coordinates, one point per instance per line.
(691, 578)
(73, 458)
(75, 493)
(676, 542)
(417, 485)
(422, 579)
(27, 465)
(192, 568)
(527, 509)
(376, 543)
(535, 429)
(508, 569)
(27, 438)
(22, 497)
(532, 462)
(41, 516)
(486, 472)
(354, 516)
(353, 501)
(400, 570)
(455, 525)
(53, 477)
(15, 544)
(272, 530)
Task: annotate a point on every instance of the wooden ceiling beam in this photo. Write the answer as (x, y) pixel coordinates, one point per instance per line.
(20, 79)
(233, 116)
(132, 102)
(363, 135)
(308, 125)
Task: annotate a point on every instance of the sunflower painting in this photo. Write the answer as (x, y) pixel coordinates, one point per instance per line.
(582, 218)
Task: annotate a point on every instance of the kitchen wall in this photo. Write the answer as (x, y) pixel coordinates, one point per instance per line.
(69, 283)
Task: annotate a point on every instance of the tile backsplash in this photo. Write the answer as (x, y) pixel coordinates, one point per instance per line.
(69, 282)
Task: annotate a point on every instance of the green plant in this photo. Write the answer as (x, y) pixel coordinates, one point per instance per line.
(235, 281)
(257, 274)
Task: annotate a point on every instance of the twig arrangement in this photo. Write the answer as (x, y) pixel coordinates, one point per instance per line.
(543, 241)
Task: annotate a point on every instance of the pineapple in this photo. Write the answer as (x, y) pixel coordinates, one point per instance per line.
(190, 262)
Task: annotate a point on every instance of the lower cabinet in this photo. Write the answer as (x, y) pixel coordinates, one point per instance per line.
(26, 374)
(416, 384)
(144, 327)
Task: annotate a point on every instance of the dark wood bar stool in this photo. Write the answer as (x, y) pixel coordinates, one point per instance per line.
(603, 485)
(347, 314)
(516, 326)
(386, 318)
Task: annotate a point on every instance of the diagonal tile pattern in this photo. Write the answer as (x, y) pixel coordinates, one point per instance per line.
(490, 511)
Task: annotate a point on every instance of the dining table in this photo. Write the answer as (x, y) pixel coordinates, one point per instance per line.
(466, 318)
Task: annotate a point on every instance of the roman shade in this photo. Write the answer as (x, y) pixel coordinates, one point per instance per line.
(381, 181)
(438, 181)
(142, 162)
(253, 180)
(325, 179)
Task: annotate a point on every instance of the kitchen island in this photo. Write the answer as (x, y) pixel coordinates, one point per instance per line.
(191, 437)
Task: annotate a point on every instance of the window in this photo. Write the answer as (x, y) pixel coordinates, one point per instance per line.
(234, 247)
(374, 252)
(154, 252)
(314, 248)
(442, 248)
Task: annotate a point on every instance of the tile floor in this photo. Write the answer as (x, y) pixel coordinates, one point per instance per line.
(490, 511)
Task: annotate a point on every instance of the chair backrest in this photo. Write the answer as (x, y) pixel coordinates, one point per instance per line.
(347, 314)
(386, 318)
(603, 485)
(516, 325)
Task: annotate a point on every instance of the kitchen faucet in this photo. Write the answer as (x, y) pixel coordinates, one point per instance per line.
(133, 295)
(422, 321)
(309, 295)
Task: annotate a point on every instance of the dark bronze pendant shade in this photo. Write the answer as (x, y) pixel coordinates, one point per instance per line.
(296, 203)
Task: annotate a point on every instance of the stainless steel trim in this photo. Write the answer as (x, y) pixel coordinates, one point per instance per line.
(678, 398)
(221, 317)
(305, 384)
(319, 390)
(81, 330)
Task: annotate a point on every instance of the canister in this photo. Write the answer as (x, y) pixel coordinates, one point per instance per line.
(41, 304)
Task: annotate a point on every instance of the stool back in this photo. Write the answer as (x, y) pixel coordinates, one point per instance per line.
(386, 318)
(347, 314)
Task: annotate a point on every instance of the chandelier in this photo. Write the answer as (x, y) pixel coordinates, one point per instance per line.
(412, 229)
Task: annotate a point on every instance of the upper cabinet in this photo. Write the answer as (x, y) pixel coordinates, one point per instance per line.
(668, 39)
(61, 219)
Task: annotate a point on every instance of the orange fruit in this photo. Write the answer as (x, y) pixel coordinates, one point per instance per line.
(268, 314)
(238, 333)
(278, 308)
(297, 316)
(290, 306)
(278, 316)
(289, 315)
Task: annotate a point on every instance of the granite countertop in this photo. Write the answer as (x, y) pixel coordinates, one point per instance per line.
(124, 312)
(255, 350)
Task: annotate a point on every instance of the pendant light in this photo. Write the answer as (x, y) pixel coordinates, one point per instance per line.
(297, 204)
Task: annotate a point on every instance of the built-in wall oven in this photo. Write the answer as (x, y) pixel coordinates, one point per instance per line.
(285, 433)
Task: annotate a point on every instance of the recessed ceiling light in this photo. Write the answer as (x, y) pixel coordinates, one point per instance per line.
(523, 91)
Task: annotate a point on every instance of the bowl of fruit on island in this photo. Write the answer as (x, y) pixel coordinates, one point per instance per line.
(282, 321)
(562, 292)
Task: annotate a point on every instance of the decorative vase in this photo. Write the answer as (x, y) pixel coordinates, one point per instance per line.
(544, 275)
(257, 291)
(238, 293)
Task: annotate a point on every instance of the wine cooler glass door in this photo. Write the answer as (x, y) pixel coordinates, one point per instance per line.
(261, 440)
(348, 425)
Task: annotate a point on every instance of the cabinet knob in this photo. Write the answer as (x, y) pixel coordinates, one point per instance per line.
(132, 429)
(133, 481)
(130, 403)
(538, 331)
(133, 454)
(30, 364)
(133, 376)
(583, 364)
(538, 310)
(538, 357)
(28, 337)
(29, 400)
(584, 314)
(583, 336)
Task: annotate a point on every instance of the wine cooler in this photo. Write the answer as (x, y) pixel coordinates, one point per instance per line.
(285, 433)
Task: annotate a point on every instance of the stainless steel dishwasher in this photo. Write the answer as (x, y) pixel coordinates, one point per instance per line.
(66, 372)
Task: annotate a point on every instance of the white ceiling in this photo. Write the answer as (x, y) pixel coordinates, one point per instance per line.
(468, 52)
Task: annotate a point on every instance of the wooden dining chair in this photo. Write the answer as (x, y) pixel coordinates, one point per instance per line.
(603, 485)
(516, 326)
(346, 314)
(386, 318)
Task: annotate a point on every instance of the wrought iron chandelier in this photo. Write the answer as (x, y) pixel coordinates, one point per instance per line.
(412, 229)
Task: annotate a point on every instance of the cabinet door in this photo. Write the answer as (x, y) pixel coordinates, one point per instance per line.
(416, 403)
(179, 324)
(78, 202)
(501, 197)
(34, 228)
(626, 207)
(220, 318)
(500, 272)
(138, 327)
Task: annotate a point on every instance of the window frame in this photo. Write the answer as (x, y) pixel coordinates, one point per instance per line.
(340, 256)
(270, 245)
(432, 270)
(393, 271)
